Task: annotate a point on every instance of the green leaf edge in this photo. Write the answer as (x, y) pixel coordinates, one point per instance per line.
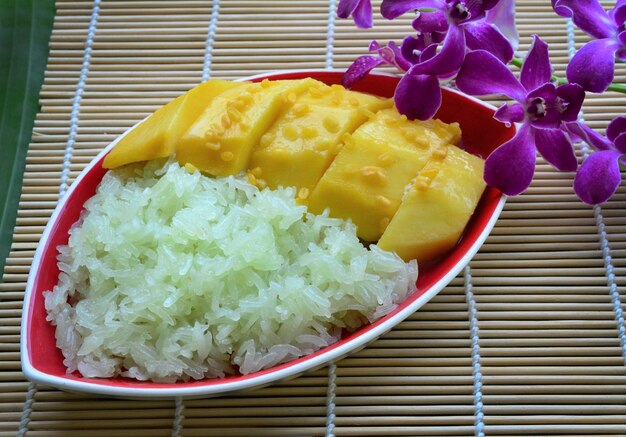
(25, 29)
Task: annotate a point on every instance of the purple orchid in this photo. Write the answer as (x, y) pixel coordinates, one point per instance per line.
(359, 10)
(599, 175)
(455, 16)
(412, 51)
(593, 65)
(388, 55)
(473, 40)
(456, 25)
(548, 114)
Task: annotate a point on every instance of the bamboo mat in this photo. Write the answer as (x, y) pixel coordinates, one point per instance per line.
(529, 340)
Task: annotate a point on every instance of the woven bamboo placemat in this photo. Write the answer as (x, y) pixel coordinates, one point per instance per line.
(529, 340)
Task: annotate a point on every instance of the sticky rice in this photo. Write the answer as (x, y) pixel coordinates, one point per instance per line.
(171, 275)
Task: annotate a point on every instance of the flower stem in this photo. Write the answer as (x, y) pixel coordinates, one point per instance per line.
(618, 87)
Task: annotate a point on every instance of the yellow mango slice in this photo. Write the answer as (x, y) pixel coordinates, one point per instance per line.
(365, 183)
(302, 143)
(157, 136)
(436, 209)
(220, 142)
(390, 127)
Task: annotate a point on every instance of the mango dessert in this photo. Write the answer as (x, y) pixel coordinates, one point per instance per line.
(303, 142)
(221, 140)
(158, 136)
(437, 207)
(368, 178)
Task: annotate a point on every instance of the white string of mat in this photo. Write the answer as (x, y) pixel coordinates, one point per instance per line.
(80, 88)
(332, 369)
(210, 39)
(27, 408)
(479, 424)
(599, 219)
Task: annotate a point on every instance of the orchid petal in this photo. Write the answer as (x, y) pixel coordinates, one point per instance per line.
(598, 177)
(574, 95)
(429, 52)
(582, 132)
(536, 69)
(616, 132)
(503, 16)
(360, 10)
(391, 9)
(510, 113)
(477, 9)
(556, 148)
(414, 50)
(431, 41)
(618, 14)
(621, 52)
(359, 69)
(449, 59)
(428, 22)
(481, 35)
(588, 15)
(620, 142)
(593, 65)
(418, 96)
(616, 127)
(433, 38)
(374, 46)
(411, 49)
(424, 43)
(546, 90)
(362, 15)
(392, 55)
(482, 73)
(345, 8)
(511, 167)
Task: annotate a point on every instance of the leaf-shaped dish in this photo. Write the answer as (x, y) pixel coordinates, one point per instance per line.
(42, 361)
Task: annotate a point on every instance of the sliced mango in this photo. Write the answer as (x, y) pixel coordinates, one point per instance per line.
(401, 182)
(390, 127)
(437, 208)
(302, 143)
(157, 136)
(365, 183)
(220, 142)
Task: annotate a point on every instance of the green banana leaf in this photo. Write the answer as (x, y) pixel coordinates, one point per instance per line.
(25, 27)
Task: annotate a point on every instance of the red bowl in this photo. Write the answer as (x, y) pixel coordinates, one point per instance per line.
(42, 361)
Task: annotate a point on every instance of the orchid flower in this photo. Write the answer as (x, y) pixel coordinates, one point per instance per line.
(599, 175)
(359, 10)
(422, 99)
(593, 65)
(544, 110)
(388, 55)
(473, 40)
(457, 25)
(463, 17)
